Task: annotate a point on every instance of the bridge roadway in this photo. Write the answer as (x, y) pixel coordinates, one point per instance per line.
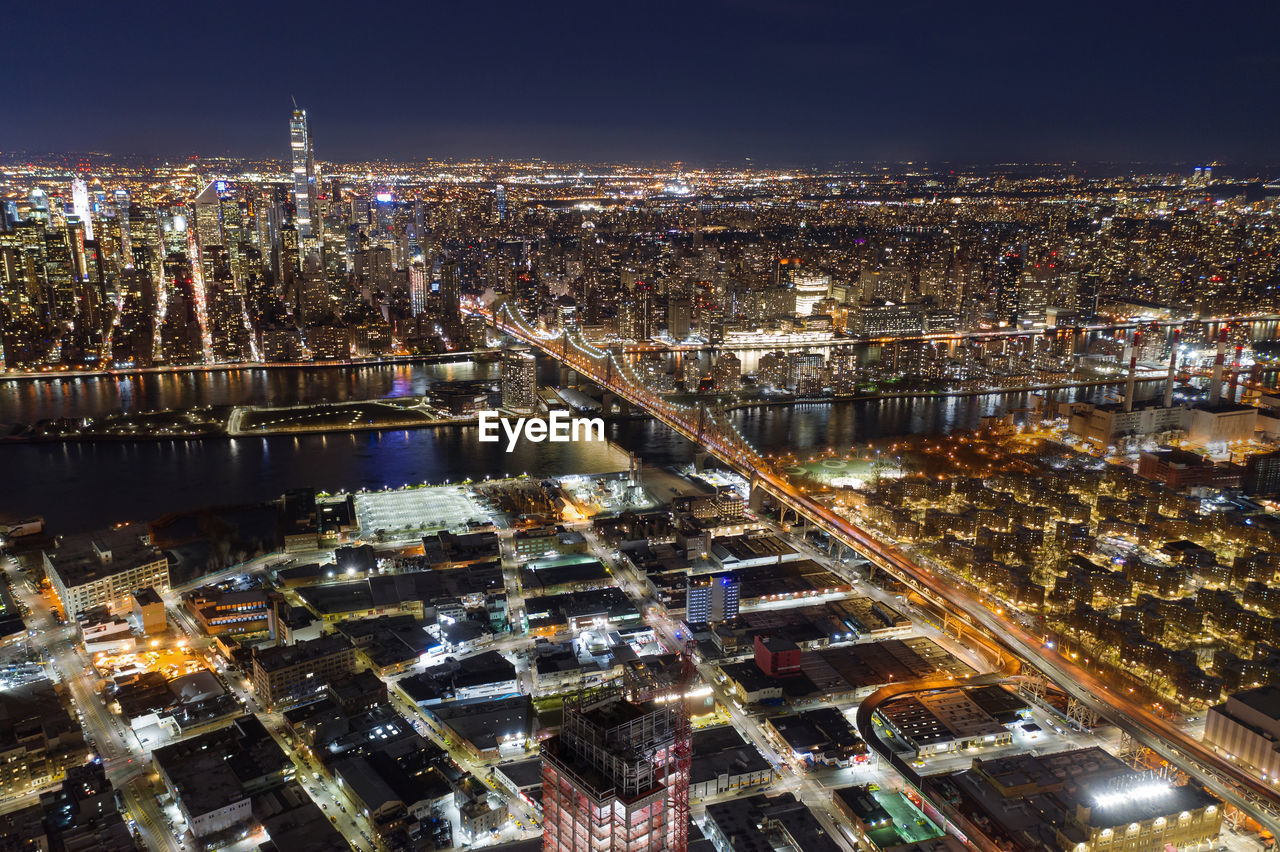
(1225, 779)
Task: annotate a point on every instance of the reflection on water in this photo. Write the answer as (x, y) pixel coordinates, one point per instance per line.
(78, 486)
(26, 401)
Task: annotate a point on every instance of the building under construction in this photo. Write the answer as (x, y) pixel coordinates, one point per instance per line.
(617, 776)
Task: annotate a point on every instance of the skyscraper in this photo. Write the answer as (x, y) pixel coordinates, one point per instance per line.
(500, 202)
(80, 205)
(1005, 298)
(304, 176)
(617, 775)
(519, 381)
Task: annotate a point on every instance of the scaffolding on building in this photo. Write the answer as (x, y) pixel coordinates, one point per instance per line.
(617, 776)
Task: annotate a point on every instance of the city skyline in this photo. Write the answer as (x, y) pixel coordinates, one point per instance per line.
(719, 82)
(737, 426)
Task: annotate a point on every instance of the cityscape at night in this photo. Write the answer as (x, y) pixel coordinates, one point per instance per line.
(729, 427)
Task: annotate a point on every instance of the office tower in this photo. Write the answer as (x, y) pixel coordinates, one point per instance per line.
(207, 213)
(519, 380)
(679, 316)
(1008, 274)
(304, 176)
(80, 205)
(419, 286)
(38, 200)
(500, 202)
(712, 598)
(785, 270)
(810, 288)
(1088, 286)
(616, 778)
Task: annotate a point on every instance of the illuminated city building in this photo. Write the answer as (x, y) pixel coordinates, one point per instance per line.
(104, 569)
(810, 289)
(519, 381)
(80, 205)
(304, 177)
(616, 777)
(1246, 728)
(712, 598)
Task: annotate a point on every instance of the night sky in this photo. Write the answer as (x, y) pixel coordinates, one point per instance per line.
(705, 81)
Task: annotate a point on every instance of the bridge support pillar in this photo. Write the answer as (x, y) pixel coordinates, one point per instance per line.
(699, 459)
(608, 402)
(755, 499)
(1082, 714)
(567, 376)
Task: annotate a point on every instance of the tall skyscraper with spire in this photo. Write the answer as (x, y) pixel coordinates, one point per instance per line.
(304, 178)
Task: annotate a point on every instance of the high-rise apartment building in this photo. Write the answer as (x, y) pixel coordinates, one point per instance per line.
(726, 373)
(500, 202)
(712, 597)
(1008, 274)
(519, 381)
(617, 776)
(804, 372)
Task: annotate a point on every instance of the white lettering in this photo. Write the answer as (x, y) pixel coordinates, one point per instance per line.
(559, 428)
(583, 427)
(489, 427)
(513, 432)
(535, 429)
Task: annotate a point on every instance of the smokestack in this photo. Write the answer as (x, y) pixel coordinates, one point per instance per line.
(1215, 381)
(1130, 385)
(1173, 369)
(1235, 373)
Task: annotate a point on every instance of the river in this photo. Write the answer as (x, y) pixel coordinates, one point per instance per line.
(86, 485)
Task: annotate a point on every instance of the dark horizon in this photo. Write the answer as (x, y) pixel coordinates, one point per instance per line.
(722, 81)
(1234, 170)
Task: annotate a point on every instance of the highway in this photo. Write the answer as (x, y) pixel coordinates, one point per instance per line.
(1228, 781)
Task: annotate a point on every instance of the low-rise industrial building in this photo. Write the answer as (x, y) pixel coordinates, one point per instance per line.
(1246, 728)
(287, 674)
(105, 569)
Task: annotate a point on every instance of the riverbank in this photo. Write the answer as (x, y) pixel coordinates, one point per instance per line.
(405, 413)
(827, 399)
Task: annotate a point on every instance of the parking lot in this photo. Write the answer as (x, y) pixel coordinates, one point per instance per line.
(409, 512)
